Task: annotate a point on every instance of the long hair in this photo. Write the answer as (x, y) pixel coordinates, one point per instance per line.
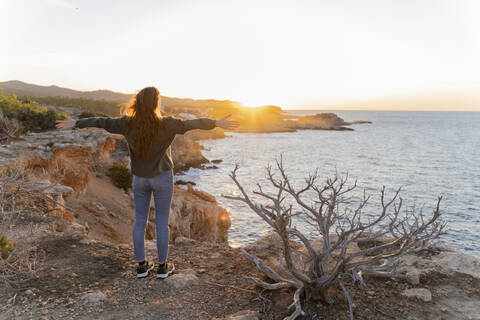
(144, 117)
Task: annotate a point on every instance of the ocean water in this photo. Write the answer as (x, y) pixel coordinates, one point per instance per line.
(428, 154)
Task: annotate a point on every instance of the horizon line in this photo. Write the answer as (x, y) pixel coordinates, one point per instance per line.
(377, 109)
(288, 107)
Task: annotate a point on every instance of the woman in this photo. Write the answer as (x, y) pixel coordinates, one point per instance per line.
(149, 136)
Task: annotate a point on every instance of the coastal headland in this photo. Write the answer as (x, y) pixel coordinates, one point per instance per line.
(80, 229)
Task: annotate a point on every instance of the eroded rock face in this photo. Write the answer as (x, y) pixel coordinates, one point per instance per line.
(194, 217)
(186, 153)
(66, 156)
(65, 160)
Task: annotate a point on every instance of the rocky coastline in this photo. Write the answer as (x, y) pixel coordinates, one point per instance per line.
(89, 226)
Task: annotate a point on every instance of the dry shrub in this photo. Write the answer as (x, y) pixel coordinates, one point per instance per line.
(9, 128)
(20, 209)
(69, 166)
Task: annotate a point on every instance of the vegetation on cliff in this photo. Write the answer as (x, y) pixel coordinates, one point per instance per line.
(6, 247)
(121, 176)
(29, 114)
(92, 107)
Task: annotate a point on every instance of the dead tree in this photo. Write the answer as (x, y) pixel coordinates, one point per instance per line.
(391, 234)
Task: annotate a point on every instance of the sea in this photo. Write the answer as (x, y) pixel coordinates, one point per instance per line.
(426, 154)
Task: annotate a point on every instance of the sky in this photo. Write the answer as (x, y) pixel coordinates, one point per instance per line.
(351, 54)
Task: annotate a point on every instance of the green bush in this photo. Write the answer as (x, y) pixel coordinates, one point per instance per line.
(30, 116)
(96, 107)
(6, 247)
(121, 176)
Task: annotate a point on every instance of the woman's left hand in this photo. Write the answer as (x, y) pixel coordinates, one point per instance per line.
(227, 124)
(65, 124)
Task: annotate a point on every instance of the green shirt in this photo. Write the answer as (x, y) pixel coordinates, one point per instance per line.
(159, 157)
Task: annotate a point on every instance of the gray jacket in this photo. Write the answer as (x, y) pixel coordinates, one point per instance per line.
(159, 157)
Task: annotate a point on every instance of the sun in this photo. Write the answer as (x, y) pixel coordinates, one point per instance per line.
(253, 102)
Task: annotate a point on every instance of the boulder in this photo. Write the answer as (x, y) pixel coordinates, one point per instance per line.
(94, 297)
(193, 217)
(182, 280)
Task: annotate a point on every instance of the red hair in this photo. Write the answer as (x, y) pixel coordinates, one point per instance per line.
(144, 117)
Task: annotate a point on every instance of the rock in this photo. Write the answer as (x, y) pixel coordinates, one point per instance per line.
(419, 293)
(201, 194)
(65, 191)
(414, 276)
(182, 280)
(94, 297)
(28, 292)
(445, 261)
(77, 229)
(265, 246)
(67, 156)
(84, 241)
(458, 262)
(184, 241)
(193, 217)
(186, 153)
(244, 315)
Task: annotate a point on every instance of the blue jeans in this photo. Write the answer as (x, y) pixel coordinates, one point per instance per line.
(162, 188)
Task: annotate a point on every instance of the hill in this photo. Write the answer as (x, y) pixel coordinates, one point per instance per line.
(26, 89)
(21, 88)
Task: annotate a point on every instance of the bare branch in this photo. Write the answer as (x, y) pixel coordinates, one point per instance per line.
(383, 238)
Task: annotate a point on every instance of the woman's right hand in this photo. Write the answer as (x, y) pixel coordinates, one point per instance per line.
(227, 124)
(65, 124)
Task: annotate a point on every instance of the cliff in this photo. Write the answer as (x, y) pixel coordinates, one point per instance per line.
(80, 160)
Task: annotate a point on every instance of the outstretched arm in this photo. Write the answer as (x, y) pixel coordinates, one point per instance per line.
(112, 125)
(224, 123)
(179, 126)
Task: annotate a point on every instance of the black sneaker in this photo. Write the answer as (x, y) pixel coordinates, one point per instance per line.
(142, 270)
(165, 270)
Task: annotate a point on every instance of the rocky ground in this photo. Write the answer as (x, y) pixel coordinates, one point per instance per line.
(86, 268)
(84, 279)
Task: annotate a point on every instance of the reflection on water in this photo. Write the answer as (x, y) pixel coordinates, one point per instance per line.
(427, 153)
